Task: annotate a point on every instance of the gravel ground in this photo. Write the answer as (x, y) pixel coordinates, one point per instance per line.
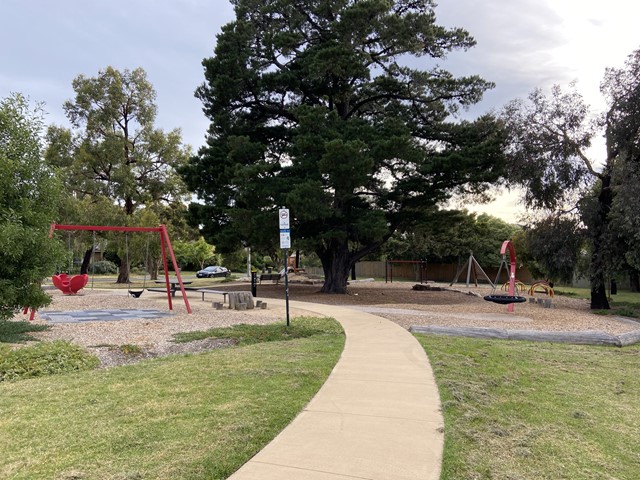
(459, 306)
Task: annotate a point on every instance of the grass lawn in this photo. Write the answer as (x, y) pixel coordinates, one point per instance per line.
(521, 410)
(624, 303)
(198, 416)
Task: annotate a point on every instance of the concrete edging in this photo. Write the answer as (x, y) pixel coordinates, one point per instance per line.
(587, 337)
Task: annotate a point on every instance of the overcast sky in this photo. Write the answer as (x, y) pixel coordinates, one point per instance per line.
(522, 44)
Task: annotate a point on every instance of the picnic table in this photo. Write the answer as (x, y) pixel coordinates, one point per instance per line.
(174, 283)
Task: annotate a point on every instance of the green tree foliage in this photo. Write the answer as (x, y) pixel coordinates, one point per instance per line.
(548, 138)
(202, 252)
(190, 254)
(314, 106)
(114, 151)
(451, 236)
(554, 246)
(28, 204)
(622, 89)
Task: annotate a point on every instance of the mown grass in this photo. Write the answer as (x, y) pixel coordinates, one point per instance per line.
(520, 410)
(181, 417)
(245, 334)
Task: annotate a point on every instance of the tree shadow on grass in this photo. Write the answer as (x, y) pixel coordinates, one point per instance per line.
(18, 332)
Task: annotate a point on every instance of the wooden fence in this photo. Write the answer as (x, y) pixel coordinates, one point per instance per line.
(435, 272)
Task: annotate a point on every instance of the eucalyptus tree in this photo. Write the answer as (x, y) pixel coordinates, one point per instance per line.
(340, 111)
(548, 145)
(113, 149)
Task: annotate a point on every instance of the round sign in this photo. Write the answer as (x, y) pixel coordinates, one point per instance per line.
(284, 214)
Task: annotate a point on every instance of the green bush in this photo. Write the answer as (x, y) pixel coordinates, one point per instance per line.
(42, 359)
(103, 267)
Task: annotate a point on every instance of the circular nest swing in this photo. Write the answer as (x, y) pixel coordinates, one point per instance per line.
(505, 299)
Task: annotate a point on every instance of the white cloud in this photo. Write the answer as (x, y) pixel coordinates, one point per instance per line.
(521, 45)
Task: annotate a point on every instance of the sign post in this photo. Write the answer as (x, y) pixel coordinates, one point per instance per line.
(285, 244)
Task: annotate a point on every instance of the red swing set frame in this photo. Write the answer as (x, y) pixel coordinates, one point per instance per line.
(165, 244)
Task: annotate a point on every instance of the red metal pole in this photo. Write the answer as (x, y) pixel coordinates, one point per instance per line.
(105, 228)
(175, 267)
(507, 245)
(166, 270)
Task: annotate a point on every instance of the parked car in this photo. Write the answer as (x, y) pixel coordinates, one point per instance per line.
(213, 271)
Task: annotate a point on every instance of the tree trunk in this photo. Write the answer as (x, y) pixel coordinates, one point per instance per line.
(634, 281)
(336, 263)
(123, 273)
(599, 299)
(86, 261)
(153, 267)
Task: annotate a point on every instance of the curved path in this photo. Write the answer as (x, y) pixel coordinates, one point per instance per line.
(376, 417)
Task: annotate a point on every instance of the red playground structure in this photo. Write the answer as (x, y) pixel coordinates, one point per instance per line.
(70, 285)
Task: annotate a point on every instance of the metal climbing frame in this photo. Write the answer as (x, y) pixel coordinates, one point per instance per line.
(164, 242)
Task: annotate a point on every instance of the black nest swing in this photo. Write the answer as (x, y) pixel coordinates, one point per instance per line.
(505, 299)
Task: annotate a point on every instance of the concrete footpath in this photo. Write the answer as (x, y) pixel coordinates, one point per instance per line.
(377, 416)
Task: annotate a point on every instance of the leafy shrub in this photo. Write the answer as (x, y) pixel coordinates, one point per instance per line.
(42, 359)
(103, 267)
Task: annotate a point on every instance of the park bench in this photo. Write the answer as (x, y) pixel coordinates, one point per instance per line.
(208, 290)
(275, 277)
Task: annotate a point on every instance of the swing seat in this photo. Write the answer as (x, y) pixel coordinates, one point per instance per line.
(135, 293)
(505, 299)
(70, 285)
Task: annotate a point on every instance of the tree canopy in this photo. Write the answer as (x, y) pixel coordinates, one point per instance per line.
(451, 236)
(317, 106)
(114, 151)
(548, 140)
(28, 203)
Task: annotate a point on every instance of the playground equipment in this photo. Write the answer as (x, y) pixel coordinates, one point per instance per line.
(542, 287)
(420, 264)
(137, 293)
(67, 284)
(70, 285)
(520, 287)
(165, 244)
(512, 298)
(472, 264)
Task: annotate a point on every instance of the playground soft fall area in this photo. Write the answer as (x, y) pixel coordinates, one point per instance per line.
(440, 306)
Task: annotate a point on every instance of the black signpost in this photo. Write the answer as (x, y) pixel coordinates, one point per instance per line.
(285, 244)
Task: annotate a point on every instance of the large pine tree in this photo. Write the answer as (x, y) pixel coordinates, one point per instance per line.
(317, 105)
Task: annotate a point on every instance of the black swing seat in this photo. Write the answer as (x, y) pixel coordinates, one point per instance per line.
(505, 299)
(135, 293)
